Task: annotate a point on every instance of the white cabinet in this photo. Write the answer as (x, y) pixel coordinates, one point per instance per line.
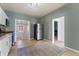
(2, 48)
(3, 17)
(5, 44)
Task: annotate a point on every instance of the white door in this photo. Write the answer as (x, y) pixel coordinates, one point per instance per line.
(61, 29)
(22, 29)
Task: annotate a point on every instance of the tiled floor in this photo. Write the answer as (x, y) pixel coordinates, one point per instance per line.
(39, 48)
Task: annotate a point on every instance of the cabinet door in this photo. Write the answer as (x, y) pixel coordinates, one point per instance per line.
(7, 45)
(1, 21)
(2, 17)
(3, 47)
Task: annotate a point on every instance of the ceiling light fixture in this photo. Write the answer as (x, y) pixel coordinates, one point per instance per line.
(32, 5)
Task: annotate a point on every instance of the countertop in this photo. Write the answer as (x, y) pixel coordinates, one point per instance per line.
(5, 32)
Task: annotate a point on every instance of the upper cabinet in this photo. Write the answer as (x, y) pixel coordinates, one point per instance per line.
(3, 17)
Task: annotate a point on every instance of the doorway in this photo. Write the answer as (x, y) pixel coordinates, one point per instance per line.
(58, 31)
(22, 32)
(55, 30)
(22, 29)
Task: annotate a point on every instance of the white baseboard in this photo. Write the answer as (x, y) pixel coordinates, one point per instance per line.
(72, 49)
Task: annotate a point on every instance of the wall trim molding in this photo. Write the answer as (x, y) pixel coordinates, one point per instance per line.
(72, 49)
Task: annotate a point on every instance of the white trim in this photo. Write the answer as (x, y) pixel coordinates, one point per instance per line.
(53, 31)
(72, 49)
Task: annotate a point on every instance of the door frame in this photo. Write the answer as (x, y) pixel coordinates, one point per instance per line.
(15, 28)
(56, 19)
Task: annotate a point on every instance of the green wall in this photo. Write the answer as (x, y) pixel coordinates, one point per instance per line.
(71, 13)
(12, 16)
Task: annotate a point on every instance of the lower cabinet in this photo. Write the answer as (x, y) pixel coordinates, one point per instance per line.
(5, 44)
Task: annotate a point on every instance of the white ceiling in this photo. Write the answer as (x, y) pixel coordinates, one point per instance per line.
(37, 11)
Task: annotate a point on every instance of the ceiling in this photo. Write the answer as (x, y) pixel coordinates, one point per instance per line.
(37, 11)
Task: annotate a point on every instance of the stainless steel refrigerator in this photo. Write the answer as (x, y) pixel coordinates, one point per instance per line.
(38, 31)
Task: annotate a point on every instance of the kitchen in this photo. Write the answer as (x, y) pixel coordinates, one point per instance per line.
(20, 24)
(7, 27)
(5, 36)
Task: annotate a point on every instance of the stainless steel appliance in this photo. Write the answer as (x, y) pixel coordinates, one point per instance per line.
(38, 31)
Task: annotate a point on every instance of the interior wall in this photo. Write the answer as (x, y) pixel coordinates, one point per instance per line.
(12, 16)
(71, 14)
